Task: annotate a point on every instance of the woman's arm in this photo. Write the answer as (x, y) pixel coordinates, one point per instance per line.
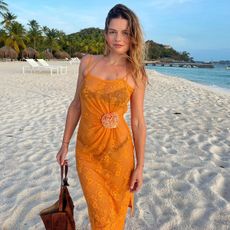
(139, 134)
(74, 112)
(73, 115)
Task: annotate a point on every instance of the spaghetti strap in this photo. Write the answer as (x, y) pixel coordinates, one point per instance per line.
(125, 78)
(89, 60)
(90, 64)
(125, 81)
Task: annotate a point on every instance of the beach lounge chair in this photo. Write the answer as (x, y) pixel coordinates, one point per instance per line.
(74, 60)
(61, 69)
(34, 66)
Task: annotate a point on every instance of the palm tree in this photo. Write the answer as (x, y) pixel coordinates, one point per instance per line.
(3, 7)
(35, 33)
(186, 56)
(3, 36)
(51, 37)
(8, 19)
(62, 40)
(15, 37)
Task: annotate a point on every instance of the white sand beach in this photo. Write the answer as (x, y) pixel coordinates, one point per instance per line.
(187, 160)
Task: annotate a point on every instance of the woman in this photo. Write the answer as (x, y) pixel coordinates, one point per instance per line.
(104, 149)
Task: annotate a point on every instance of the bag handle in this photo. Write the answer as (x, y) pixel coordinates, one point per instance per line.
(64, 169)
(64, 182)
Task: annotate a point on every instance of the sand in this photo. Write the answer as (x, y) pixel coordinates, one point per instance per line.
(187, 160)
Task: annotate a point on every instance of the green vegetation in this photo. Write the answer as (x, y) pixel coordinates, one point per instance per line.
(90, 40)
(164, 53)
(53, 41)
(3, 8)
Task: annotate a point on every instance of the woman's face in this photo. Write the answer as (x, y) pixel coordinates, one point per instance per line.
(118, 36)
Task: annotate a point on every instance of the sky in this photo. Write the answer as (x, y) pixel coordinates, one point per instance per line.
(200, 27)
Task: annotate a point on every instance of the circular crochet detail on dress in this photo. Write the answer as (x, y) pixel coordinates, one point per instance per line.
(110, 120)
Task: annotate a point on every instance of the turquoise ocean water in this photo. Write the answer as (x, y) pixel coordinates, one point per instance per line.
(218, 77)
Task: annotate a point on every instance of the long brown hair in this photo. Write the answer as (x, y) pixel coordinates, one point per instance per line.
(136, 50)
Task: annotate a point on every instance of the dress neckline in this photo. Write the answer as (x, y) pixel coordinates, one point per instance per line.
(112, 80)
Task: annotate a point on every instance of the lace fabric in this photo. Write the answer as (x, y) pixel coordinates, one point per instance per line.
(105, 155)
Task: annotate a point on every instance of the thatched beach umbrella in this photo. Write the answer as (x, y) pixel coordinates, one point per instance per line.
(61, 55)
(47, 55)
(30, 53)
(8, 52)
(78, 55)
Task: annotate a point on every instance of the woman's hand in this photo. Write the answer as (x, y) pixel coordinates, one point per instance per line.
(136, 180)
(61, 156)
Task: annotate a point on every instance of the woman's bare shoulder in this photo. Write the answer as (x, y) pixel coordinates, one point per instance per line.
(97, 57)
(86, 59)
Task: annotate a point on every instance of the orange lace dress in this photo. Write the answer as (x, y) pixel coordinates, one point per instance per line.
(105, 151)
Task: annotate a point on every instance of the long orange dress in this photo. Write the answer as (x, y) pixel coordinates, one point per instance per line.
(105, 151)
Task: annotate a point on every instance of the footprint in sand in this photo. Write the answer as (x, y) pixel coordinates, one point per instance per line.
(181, 186)
(169, 149)
(201, 177)
(221, 186)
